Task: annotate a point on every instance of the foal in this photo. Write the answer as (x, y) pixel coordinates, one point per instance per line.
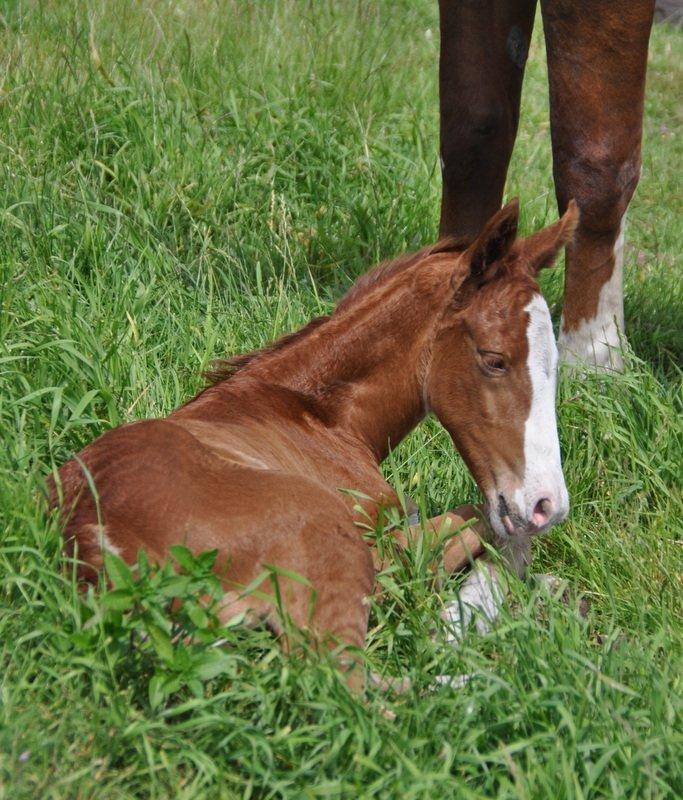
(254, 464)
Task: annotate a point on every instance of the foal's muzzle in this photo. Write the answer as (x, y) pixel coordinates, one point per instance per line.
(544, 511)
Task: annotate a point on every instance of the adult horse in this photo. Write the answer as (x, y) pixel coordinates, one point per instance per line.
(253, 465)
(597, 54)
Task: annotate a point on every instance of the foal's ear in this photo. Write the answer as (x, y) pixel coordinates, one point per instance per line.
(541, 248)
(493, 243)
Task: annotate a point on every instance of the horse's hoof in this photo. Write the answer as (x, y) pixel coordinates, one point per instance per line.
(560, 589)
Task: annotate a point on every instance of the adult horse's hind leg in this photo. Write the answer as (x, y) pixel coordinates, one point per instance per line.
(483, 53)
(597, 56)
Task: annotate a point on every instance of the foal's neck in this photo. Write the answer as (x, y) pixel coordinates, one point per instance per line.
(366, 363)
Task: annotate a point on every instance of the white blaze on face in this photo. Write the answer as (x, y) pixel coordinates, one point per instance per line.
(543, 476)
(596, 341)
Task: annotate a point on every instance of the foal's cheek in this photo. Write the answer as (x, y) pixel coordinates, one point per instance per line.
(496, 403)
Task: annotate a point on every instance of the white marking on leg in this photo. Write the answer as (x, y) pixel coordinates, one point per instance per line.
(454, 681)
(479, 600)
(597, 341)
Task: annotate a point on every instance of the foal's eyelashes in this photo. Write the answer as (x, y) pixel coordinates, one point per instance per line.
(493, 363)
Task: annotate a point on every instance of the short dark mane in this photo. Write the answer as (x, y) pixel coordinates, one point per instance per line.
(223, 368)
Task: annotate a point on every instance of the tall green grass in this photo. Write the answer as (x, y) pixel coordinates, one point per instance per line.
(189, 179)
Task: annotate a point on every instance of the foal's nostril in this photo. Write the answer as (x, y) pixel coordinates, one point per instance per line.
(543, 511)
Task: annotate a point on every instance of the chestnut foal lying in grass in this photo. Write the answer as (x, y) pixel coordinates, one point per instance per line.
(253, 465)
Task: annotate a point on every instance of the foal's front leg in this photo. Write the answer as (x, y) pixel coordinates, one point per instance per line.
(462, 549)
(483, 591)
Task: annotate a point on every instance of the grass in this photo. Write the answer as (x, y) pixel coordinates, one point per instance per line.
(184, 180)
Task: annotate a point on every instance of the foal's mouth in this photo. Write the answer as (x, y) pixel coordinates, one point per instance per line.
(513, 522)
(506, 516)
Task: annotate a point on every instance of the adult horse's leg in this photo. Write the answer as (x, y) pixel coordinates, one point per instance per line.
(597, 55)
(483, 52)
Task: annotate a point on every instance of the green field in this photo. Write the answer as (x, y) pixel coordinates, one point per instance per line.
(184, 180)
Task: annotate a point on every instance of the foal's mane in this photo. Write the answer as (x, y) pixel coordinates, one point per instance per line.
(389, 269)
(223, 368)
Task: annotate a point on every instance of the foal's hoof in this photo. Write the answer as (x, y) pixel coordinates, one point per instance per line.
(551, 582)
(560, 589)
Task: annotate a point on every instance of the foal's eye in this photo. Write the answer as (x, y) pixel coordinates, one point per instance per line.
(493, 363)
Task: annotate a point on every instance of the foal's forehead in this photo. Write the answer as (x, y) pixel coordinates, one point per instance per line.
(506, 311)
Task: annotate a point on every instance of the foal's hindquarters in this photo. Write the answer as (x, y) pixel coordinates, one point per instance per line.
(294, 542)
(160, 486)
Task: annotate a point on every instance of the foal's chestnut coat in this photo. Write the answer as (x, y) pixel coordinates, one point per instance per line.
(253, 465)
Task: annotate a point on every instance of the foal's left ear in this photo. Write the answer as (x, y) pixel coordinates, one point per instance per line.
(493, 243)
(541, 248)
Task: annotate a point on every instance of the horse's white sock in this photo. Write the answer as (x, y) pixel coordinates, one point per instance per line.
(480, 599)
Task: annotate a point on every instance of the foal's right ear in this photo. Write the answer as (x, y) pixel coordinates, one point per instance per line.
(542, 248)
(493, 244)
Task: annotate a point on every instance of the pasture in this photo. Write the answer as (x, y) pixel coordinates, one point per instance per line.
(186, 180)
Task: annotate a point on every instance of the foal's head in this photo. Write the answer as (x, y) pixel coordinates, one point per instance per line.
(492, 370)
